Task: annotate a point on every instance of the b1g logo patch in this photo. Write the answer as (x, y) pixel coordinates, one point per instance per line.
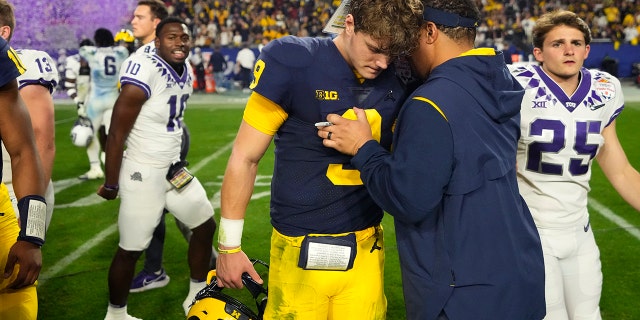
(605, 89)
(327, 95)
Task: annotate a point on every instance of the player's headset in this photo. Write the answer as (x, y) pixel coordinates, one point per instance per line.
(211, 303)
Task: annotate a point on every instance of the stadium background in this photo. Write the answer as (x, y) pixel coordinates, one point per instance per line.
(61, 24)
(83, 236)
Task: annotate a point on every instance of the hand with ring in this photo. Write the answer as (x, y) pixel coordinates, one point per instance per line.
(345, 135)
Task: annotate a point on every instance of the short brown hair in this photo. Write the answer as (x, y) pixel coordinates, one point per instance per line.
(7, 17)
(550, 20)
(158, 9)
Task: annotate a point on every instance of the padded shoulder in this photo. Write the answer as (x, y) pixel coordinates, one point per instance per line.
(293, 51)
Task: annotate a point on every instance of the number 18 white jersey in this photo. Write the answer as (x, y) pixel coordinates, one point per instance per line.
(561, 135)
(156, 136)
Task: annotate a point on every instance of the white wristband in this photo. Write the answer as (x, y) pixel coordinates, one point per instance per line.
(230, 232)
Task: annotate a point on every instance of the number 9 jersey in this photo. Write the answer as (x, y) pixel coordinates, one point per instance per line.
(314, 188)
(560, 137)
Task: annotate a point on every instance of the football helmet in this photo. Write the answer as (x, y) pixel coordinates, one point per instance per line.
(124, 35)
(211, 304)
(82, 132)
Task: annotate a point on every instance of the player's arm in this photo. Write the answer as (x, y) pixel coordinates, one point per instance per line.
(616, 167)
(125, 112)
(29, 186)
(40, 105)
(237, 187)
(71, 76)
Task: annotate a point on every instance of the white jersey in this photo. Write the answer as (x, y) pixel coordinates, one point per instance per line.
(561, 135)
(72, 73)
(156, 136)
(41, 70)
(105, 65)
(72, 66)
(149, 48)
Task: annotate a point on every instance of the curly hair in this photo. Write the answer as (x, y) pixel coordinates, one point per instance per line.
(550, 20)
(463, 8)
(395, 23)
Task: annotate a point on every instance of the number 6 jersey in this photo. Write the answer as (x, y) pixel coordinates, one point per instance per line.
(561, 134)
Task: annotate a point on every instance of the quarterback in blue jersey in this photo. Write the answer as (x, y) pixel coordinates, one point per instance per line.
(568, 119)
(20, 241)
(467, 243)
(318, 201)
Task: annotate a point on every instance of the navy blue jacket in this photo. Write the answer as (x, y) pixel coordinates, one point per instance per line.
(466, 239)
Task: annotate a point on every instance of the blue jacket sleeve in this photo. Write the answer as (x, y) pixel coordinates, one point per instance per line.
(409, 182)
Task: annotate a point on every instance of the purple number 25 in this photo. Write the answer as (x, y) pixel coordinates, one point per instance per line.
(576, 166)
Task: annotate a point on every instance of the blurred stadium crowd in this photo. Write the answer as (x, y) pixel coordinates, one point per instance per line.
(230, 24)
(234, 22)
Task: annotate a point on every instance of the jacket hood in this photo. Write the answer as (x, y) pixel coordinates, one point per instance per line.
(499, 94)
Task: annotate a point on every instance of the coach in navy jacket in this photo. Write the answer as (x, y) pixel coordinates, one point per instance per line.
(467, 242)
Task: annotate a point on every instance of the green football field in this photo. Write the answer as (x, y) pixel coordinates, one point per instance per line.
(83, 234)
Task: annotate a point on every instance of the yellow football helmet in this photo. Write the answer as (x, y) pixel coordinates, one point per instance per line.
(211, 304)
(125, 35)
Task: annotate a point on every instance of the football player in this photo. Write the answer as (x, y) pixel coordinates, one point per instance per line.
(568, 119)
(20, 241)
(77, 76)
(146, 17)
(36, 86)
(319, 206)
(105, 60)
(148, 116)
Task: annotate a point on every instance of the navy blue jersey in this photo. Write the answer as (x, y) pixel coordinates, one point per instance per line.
(314, 188)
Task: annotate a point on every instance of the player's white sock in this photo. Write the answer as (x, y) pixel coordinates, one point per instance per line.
(194, 287)
(118, 313)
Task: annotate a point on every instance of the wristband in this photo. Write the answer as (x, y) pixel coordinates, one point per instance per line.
(230, 232)
(33, 214)
(111, 187)
(229, 251)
